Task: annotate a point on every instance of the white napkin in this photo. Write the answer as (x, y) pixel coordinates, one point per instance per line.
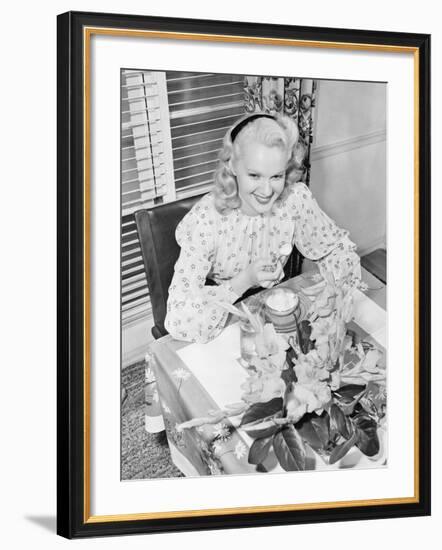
(216, 365)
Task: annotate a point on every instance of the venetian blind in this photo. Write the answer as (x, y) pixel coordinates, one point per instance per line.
(146, 177)
(201, 109)
(173, 124)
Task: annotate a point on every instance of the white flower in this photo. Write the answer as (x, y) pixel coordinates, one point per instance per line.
(221, 431)
(262, 387)
(181, 374)
(363, 287)
(311, 367)
(322, 329)
(303, 398)
(270, 342)
(335, 380)
(240, 450)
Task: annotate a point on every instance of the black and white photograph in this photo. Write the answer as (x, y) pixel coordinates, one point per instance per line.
(234, 198)
(220, 293)
(253, 274)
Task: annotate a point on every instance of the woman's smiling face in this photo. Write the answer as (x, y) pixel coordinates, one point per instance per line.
(260, 174)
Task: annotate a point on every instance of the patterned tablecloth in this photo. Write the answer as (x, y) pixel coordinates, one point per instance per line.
(188, 381)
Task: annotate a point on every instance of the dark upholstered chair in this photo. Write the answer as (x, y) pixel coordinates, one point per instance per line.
(156, 231)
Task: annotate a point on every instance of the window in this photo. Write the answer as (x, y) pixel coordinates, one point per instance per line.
(146, 175)
(201, 109)
(172, 127)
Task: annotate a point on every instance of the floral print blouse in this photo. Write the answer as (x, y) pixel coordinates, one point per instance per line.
(219, 246)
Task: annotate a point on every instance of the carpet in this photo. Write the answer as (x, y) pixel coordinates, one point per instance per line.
(143, 455)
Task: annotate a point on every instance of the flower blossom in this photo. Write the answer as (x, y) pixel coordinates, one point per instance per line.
(311, 392)
(240, 450)
(181, 374)
(262, 387)
(221, 431)
(266, 383)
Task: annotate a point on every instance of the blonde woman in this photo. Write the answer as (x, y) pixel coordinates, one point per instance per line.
(238, 234)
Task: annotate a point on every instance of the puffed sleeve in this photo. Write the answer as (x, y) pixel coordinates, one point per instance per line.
(318, 238)
(192, 312)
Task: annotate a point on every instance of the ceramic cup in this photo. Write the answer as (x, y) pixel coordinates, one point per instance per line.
(281, 305)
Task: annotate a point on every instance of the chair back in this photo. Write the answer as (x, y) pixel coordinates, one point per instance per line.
(156, 231)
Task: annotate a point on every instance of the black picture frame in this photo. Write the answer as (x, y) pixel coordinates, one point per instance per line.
(74, 519)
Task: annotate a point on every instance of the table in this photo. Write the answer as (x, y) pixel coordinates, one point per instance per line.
(193, 379)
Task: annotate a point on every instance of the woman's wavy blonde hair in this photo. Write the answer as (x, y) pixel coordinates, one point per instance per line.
(281, 131)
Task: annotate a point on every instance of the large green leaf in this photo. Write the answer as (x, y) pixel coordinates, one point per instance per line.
(259, 450)
(260, 411)
(263, 432)
(289, 374)
(314, 430)
(341, 450)
(339, 422)
(367, 436)
(348, 393)
(322, 426)
(304, 331)
(291, 355)
(289, 449)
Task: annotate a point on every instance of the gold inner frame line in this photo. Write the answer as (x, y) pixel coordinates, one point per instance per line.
(266, 41)
(87, 33)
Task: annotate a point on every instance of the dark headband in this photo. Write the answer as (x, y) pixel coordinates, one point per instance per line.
(237, 129)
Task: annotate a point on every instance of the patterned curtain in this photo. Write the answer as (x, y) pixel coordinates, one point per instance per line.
(292, 96)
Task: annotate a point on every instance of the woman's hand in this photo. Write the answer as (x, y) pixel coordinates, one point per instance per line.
(264, 273)
(261, 272)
